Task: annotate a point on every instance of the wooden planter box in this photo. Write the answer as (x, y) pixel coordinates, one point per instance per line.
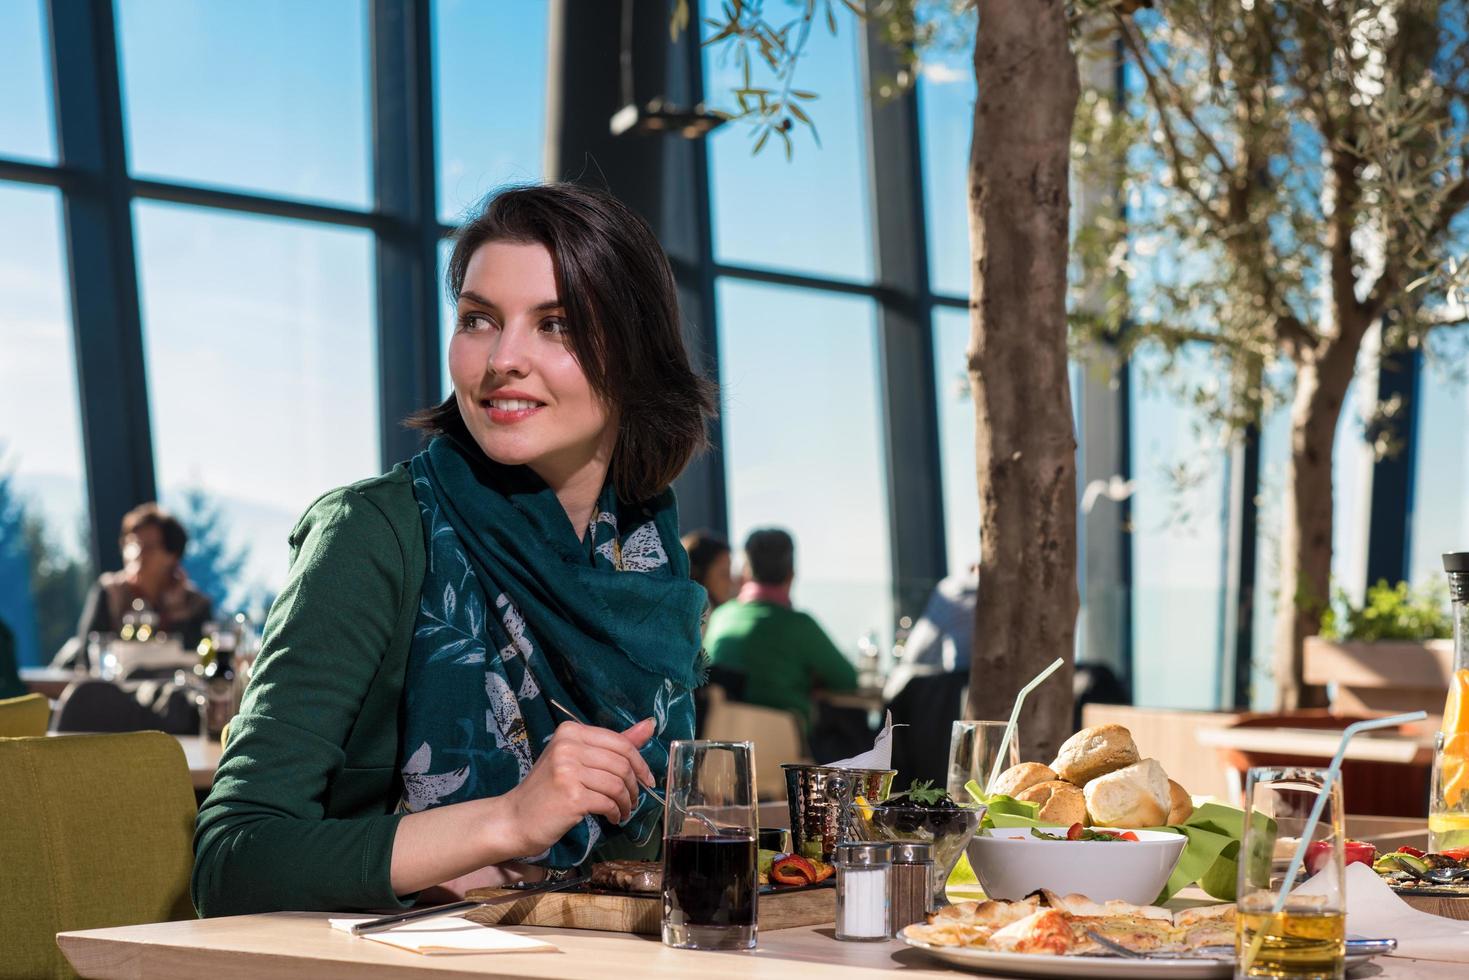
(1388, 676)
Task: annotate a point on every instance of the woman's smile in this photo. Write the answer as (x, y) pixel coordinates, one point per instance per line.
(508, 407)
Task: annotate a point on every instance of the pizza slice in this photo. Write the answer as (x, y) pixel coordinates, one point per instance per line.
(1047, 931)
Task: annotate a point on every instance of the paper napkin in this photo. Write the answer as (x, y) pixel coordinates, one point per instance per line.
(880, 756)
(1375, 912)
(449, 934)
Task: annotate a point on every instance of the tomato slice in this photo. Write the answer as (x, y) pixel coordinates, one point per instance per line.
(1127, 835)
(1074, 832)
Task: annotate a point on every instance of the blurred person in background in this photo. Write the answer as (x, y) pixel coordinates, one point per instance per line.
(783, 653)
(942, 641)
(153, 543)
(709, 556)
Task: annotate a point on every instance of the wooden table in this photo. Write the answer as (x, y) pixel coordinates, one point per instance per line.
(1320, 743)
(48, 680)
(301, 944)
(203, 756)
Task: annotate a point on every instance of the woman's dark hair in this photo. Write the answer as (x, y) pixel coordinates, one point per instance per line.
(704, 548)
(622, 309)
(175, 538)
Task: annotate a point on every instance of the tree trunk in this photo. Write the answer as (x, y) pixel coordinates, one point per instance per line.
(1018, 206)
(1306, 526)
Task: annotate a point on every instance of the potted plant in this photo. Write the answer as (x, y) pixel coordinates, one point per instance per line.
(1391, 652)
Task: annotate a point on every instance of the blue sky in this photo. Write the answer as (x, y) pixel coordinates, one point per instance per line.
(259, 332)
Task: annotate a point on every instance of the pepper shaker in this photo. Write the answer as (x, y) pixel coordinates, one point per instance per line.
(863, 872)
(912, 883)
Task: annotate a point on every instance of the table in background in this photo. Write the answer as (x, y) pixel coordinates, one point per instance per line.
(203, 756)
(296, 944)
(50, 681)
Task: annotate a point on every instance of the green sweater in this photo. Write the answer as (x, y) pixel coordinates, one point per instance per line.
(782, 653)
(300, 816)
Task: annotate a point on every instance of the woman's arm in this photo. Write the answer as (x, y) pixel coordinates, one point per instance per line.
(582, 770)
(263, 841)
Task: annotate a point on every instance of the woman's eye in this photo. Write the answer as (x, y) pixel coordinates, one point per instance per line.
(474, 322)
(555, 326)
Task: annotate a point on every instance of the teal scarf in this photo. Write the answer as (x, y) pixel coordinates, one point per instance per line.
(517, 611)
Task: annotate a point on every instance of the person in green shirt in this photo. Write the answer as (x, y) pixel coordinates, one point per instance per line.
(783, 653)
(479, 659)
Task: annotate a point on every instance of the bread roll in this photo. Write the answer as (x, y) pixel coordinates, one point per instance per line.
(1018, 779)
(1061, 803)
(1094, 752)
(1134, 796)
(1180, 805)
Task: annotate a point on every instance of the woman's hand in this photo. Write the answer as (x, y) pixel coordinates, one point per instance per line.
(582, 770)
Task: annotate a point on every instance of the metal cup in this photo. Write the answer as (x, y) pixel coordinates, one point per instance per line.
(818, 798)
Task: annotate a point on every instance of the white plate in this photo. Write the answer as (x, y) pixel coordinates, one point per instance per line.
(1045, 965)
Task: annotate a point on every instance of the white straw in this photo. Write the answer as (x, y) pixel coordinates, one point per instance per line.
(1332, 773)
(1035, 682)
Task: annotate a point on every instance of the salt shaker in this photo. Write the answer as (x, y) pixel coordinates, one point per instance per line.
(912, 883)
(863, 872)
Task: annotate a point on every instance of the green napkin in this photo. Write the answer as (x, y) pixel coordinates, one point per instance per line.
(1210, 858)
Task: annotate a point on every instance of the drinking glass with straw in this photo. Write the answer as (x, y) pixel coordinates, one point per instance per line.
(1003, 752)
(1285, 930)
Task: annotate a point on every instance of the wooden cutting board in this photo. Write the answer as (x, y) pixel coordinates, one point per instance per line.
(641, 914)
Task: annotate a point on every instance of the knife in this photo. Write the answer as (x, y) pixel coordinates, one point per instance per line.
(434, 911)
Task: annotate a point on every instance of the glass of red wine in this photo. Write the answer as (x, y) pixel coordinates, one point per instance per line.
(710, 827)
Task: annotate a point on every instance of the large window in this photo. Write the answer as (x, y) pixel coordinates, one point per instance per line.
(484, 52)
(1177, 540)
(262, 381)
(803, 445)
(946, 89)
(956, 437)
(25, 78)
(808, 214)
(44, 570)
(1441, 466)
(269, 96)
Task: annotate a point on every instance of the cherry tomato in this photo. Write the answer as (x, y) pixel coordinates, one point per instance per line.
(1357, 852)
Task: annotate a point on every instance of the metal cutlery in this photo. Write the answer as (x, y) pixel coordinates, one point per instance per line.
(434, 911)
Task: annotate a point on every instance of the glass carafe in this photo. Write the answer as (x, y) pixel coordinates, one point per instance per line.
(1448, 805)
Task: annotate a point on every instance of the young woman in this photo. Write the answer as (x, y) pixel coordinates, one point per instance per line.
(479, 658)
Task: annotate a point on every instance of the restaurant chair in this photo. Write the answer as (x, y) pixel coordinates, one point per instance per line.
(95, 831)
(24, 716)
(776, 735)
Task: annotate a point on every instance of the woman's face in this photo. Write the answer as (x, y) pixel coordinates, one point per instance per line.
(145, 560)
(520, 390)
(718, 581)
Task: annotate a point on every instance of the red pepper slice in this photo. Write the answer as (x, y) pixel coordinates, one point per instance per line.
(792, 870)
(1074, 832)
(1457, 853)
(1416, 852)
(823, 870)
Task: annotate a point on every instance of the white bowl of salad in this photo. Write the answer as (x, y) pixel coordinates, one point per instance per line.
(1102, 863)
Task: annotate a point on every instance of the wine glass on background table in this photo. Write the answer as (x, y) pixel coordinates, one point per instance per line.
(710, 828)
(1305, 935)
(973, 748)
